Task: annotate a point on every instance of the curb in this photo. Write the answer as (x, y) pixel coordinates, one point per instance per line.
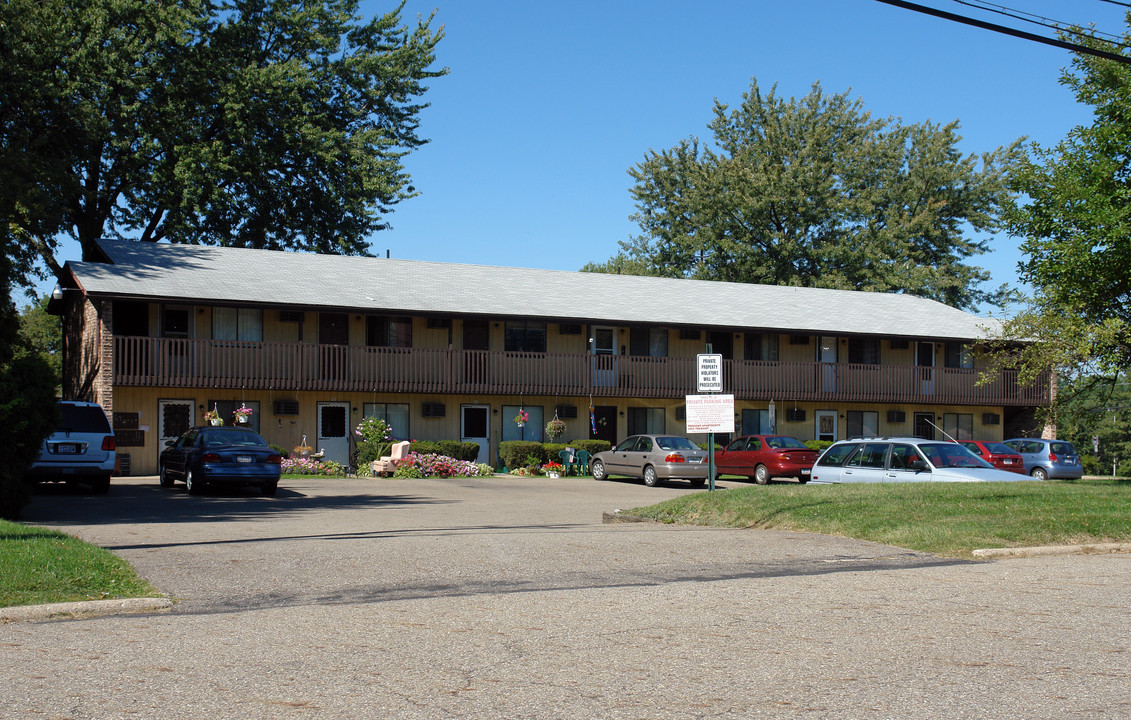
(616, 516)
(1054, 550)
(83, 609)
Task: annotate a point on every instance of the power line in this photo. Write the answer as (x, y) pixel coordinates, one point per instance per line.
(1051, 24)
(1055, 42)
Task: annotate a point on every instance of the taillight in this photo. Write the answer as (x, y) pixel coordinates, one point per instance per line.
(210, 458)
(674, 457)
(108, 443)
(1052, 457)
(275, 459)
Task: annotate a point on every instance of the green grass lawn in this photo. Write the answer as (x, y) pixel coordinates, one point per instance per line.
(38, 565)
(949, 519)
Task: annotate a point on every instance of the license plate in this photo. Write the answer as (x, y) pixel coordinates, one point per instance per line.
(805, 471)
(243, 458)
(66, 449)
(694, 460)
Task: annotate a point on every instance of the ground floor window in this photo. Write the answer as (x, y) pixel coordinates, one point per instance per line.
(395, 416)
(959, 426)
(227, 409)
(531, 430)
(756, 422)
(643, 421)
(863, 423)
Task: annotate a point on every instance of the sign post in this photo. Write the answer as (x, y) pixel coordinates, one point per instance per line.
(710, 414)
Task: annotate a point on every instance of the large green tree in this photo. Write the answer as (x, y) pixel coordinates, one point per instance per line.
(816, 192)
(262, 123)
(1074, 218)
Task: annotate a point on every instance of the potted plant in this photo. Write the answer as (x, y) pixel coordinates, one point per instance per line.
(242, 414)
(553, 469)
(555, 429)
(521, 418)
(212, 417)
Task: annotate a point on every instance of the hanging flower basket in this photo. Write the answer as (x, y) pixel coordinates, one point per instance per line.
(521, 418)
(242, 415)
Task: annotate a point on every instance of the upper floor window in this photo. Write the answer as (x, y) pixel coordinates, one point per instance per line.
(648, 342)
(958, 355)
(230, 323)
(383, 331)
(864, 351)
(525, 336)
(762, 346)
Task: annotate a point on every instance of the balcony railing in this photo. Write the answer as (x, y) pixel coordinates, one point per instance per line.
(165, 362)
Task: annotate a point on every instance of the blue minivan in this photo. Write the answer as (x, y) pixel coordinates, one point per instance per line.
(1046, 459)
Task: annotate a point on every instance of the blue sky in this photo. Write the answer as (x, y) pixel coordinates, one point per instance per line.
(549, 103)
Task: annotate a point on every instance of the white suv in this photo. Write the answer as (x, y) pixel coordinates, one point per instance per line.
(904, 460)
(82, 448)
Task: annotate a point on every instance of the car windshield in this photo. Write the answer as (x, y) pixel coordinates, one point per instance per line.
(676, 443)
(951, 455)
(785, 443)
(221, 438)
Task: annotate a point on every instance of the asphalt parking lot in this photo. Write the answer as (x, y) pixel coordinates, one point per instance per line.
(508, 598)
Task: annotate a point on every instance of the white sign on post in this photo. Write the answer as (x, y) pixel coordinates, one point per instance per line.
(710, 413)
(710, 373)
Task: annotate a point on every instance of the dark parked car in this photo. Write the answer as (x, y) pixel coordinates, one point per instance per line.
(997, 454)
(221, 456)
(762, 457)
(654, 458)
(1046, 459)
(82, 448)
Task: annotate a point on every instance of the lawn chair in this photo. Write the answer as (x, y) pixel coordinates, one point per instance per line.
(582, 458)
(388, 463)
(568, 460)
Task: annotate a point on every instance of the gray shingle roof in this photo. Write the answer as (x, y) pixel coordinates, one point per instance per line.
(192, 273)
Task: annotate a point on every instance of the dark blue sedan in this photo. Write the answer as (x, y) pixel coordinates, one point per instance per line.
(220, 456)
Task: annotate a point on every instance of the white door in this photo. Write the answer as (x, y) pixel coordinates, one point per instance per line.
(603, 345)
(334, 432)
(826, 355)
(173, 418)
(474, 426)
(826, 425)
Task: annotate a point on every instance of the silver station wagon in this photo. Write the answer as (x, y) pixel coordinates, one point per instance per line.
(872, 460)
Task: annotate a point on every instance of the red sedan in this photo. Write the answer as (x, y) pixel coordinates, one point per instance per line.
(762, 457)
(997, 454)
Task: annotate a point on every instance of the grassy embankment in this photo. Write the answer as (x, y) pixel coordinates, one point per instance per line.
(38, 565)
(949, 519)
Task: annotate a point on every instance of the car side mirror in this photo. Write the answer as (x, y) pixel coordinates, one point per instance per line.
(917, 464)
(170, 443)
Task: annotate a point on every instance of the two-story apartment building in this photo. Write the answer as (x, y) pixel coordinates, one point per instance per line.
(159, 334)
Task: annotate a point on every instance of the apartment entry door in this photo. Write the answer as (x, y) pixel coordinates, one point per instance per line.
(334, 432)
(605, 423)
(475, 426)
(826, 425)
(174, 417)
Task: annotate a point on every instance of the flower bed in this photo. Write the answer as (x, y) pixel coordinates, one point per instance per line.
(422, 465)
(310, 466)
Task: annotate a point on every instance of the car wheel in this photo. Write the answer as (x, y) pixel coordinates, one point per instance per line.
(101, 485)
(269, 489)
(598, 470)
(803, 479)
(761, 475)
(1040, 474)
(650, 476)
(193, 485)
(164, 478)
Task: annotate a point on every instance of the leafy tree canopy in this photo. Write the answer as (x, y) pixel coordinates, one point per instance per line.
(278, 124)
(817, 192)
(1074, 218)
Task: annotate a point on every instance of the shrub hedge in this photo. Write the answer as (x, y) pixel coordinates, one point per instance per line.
(517, 453)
